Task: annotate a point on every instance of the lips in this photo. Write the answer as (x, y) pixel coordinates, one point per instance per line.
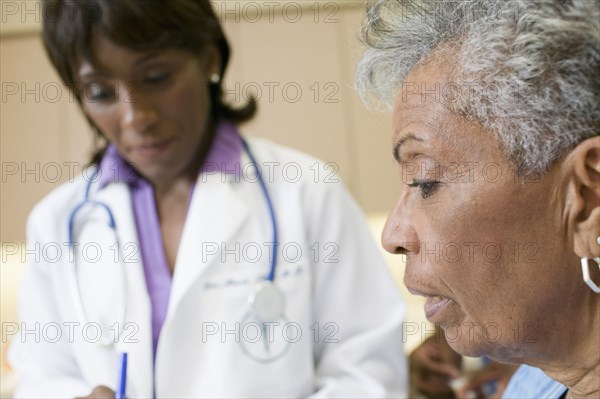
(434, 305)
(152, 149)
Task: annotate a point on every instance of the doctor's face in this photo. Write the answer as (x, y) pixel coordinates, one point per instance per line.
(484, 247)
(153, 106)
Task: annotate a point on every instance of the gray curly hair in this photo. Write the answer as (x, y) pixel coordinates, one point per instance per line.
(542, 56)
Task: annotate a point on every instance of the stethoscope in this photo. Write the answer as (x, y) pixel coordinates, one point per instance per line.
(266, 301)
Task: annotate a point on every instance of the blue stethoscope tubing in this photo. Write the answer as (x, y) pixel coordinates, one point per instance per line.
(88, 201)
(75, 290)
(261, 181)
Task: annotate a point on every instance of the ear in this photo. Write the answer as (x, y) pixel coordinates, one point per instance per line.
(213, 60)
(583, 197)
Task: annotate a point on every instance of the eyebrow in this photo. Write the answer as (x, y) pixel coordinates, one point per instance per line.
(408, 137)
(138, 62)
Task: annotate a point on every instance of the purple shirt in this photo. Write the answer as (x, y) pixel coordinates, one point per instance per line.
(224, 155)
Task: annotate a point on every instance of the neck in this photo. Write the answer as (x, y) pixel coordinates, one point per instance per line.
(582, 384)
(187, 177)
(179, 187)
(579, 368)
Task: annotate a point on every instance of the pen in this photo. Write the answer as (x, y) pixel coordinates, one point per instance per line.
(121, 384)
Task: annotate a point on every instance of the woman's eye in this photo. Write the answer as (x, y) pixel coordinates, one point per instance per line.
(98, 93)
(157, 77)
(427, 187)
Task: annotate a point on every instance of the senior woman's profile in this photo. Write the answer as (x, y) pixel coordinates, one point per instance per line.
(496, 123)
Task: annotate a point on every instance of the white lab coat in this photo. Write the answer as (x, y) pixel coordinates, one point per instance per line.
(343, 312)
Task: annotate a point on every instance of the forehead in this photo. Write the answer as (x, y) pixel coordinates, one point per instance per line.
(104, 54)
(422, 108)
(419, 103)
(111, 58)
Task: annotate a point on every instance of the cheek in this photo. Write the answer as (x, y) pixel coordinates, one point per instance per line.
(190, 104)
(105, 119)
(496, 251)
(473, 246)
(448, 242)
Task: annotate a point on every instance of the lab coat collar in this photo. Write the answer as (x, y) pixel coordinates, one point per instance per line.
(216, 213)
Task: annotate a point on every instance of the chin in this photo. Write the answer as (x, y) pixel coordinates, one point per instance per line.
(477, 346)
(467, 342)
(471, 349)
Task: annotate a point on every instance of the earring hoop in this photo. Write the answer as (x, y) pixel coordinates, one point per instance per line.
(215, 78)
(585, 269)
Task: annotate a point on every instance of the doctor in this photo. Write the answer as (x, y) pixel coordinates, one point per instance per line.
(220, 265)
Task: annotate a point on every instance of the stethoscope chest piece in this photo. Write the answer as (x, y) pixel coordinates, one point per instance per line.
(267, 302)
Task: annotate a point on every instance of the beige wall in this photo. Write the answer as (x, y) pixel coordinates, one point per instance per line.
(43, 136)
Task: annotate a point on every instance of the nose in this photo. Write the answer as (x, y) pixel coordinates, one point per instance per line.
(138, 113)
(399, 235)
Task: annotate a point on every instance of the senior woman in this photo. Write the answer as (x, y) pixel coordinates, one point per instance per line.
(496, 132)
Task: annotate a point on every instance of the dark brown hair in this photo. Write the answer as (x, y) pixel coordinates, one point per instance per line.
(140, 25)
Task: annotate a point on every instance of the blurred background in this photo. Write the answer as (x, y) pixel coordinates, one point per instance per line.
(297, 58)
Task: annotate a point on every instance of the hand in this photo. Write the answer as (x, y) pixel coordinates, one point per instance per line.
(493, 372)
(432, 365)
(100, 392)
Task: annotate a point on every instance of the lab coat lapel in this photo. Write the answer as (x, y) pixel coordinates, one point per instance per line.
(216, 213)
(136, 338)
